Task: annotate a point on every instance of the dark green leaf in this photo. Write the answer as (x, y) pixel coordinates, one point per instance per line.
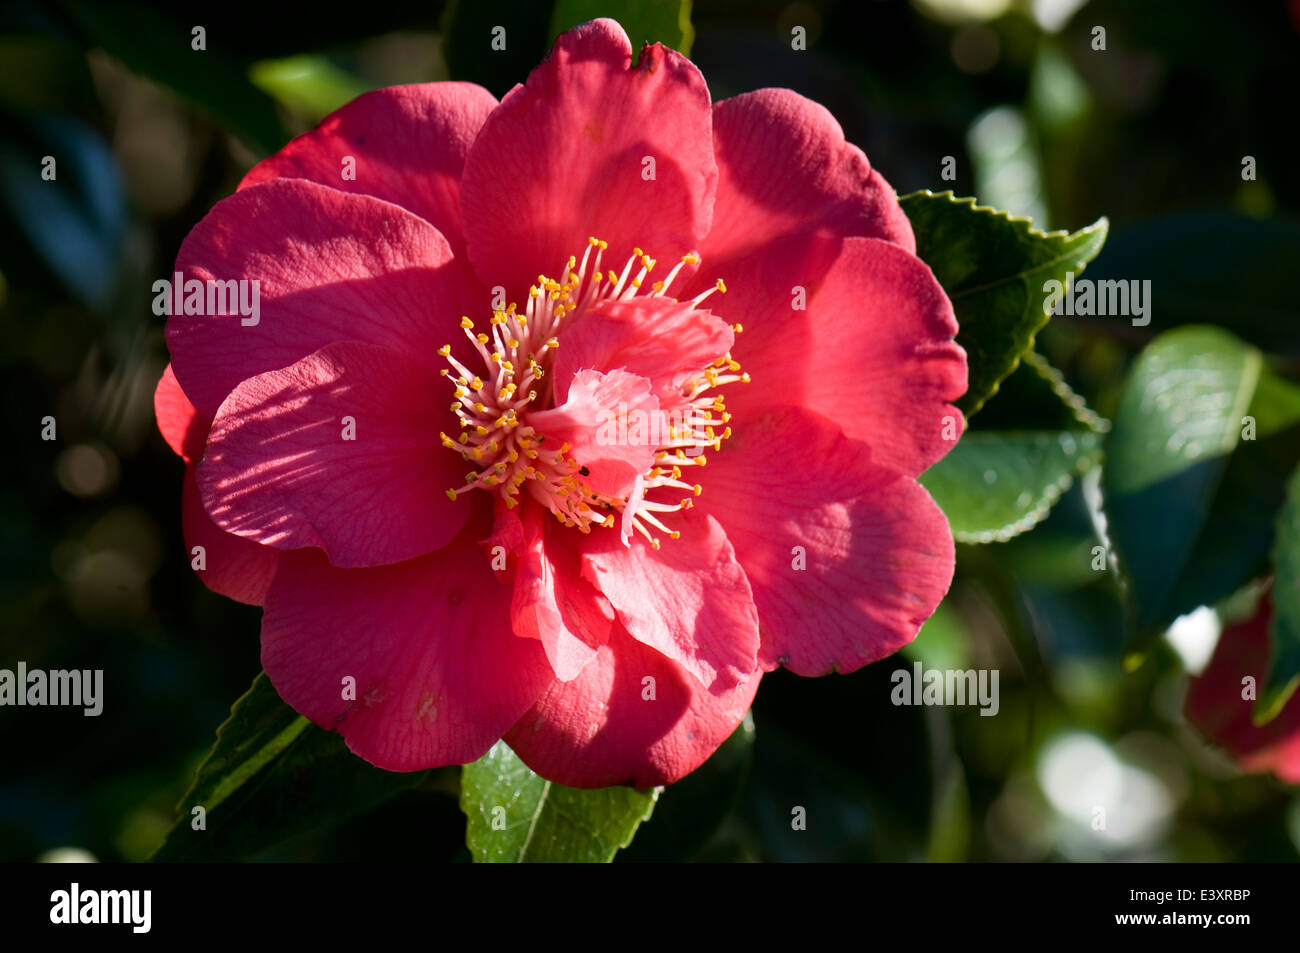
(1182, 415)
(997, 483)
(646, 21)
(517, 817)
(1234, 542)
(689, 811)
(1284, 665)
(993, 267)
(156, 45)
(520, 29)
(272, 774)
(857, 765)
(1215, 267)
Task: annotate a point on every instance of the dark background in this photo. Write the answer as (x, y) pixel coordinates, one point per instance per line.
(1150, 132)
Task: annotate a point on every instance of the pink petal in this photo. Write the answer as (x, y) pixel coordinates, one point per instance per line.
(604, 727)
(785, 169)
(237, 568)
(178, 422)
(791, 490)
(439, 676)
(660, 339)
(1216, 707)
(689, 600)
(330, 266)
(588, 421)
(280, 468)
(408, 146)
(552, 603)
(561, 159)
(873, 349)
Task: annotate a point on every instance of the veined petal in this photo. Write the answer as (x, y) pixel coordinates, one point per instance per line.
(404, 144)
(437, 674)
(329, 267)
(784, 169)
(689, 600)
(856, 330)
(590, 145)
(341, 451)
(846, 558)
(632, 716)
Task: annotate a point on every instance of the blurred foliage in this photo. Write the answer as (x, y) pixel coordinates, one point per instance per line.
(1153, 133)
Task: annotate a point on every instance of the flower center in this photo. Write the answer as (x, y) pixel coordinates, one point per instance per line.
(511, 458)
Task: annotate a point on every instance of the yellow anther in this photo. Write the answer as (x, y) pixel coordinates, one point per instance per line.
(722, 286)
(467, 324)
(445, 350)
(451, 495)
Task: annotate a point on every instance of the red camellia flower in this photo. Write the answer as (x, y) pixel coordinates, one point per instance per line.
(1220, 706)
(496, 451)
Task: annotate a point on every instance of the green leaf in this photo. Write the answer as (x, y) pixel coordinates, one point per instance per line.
(993, 267)
(517, 817)
(1179, 419)
(837, 755)
(646, 21)
(1238, 532)
(688, 813)
(1284, 664)
(471, 26)
(997, 483)
(310, 85)
(157, 45)
(270, 775)
(1215, 267)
